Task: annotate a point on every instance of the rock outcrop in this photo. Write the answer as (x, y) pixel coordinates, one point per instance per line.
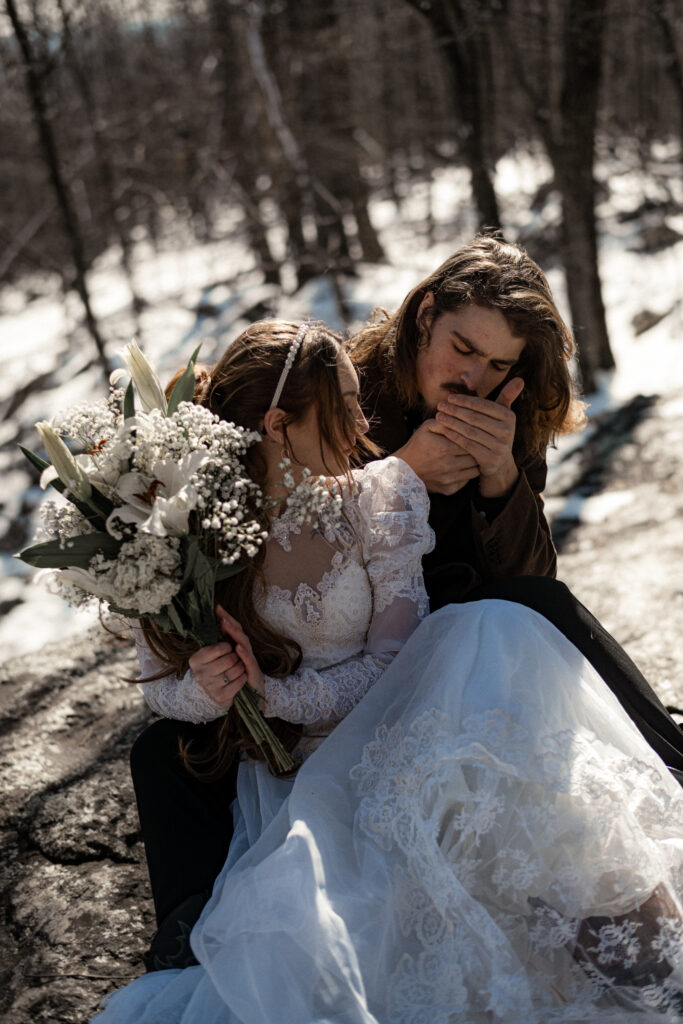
(74, 881)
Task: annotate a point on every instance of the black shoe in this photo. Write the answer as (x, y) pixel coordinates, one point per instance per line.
(170, 946)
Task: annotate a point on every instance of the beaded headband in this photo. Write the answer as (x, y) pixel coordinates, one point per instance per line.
(289, 363)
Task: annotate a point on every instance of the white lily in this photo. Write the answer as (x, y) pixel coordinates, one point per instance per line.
(160, 506)
(145, 380)
(86, 581)
(64, 465)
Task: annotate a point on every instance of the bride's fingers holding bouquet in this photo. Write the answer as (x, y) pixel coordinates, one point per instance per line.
(233, 629)
(219, 671)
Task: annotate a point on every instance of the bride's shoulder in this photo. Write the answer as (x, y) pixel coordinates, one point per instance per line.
(391, 480)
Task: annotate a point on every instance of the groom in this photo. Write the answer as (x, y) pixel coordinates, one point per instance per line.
(439, 380)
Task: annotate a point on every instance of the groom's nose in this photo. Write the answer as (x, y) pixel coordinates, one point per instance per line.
(473, 378)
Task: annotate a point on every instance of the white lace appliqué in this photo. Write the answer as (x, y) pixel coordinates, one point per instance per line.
(483, 829)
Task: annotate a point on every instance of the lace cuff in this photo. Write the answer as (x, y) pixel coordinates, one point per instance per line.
(329, 694)
(171, 697)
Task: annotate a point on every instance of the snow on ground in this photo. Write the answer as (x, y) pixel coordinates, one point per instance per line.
(206, 292)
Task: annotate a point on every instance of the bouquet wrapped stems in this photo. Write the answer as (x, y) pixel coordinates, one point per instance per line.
(277, 757)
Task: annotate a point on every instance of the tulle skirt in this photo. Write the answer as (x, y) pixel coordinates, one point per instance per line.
(486, 838)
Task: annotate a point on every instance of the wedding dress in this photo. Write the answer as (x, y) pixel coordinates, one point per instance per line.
(478, 833)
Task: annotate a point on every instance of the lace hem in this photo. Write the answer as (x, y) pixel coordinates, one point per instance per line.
(518, 846)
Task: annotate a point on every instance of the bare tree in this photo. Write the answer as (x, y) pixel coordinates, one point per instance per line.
(461, 32)
(110, 185)
(35, 85)
(562, 85)
(671, 33)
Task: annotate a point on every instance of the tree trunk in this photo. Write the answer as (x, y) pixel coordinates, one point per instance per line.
(673, 63)
(370, 243)
(573, 157)
(566, 120)
(256, 232)
(238, 80)
(105, 163)
(48, 145)
(580, 258)
(461, 40)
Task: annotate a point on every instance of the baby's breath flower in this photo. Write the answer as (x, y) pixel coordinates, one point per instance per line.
(314, 500)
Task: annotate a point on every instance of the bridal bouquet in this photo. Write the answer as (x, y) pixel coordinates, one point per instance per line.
(159, 509)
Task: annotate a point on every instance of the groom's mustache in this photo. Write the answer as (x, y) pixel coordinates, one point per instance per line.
(453, 388)
(458, 389)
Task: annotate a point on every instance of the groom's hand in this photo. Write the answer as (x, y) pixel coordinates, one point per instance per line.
(486, 430)
(443, 467)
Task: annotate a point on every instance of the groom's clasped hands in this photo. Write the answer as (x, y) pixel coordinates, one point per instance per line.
(222, 669)
(468, 437)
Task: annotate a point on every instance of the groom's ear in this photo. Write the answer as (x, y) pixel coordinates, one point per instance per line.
(273, 425)
(427, 301)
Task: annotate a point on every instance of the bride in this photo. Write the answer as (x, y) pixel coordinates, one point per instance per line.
(477, 832)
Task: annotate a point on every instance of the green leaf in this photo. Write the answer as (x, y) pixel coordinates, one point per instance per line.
(102, 504)
(50, 555)
(204, 581)
(189, 555)
(175, 619)
(127, 613)
(129, 402)
(192, 608)
(183, 389)
(41, 464)
(224, 572)
(36, 460)
(96, 511)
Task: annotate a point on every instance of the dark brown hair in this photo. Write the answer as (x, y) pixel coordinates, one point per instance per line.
(498, 275)
(240, 388)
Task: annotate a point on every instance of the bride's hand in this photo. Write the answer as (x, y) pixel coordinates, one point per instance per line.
(219, 671)
(250, 666)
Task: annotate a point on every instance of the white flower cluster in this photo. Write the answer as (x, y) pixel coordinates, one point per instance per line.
(145, 575)
(90, 423)
(167, 477)
(227, 502)
(61, 522)
(312, 500)
(142, 579)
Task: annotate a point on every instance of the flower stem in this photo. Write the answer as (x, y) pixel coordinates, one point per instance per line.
(277, 757)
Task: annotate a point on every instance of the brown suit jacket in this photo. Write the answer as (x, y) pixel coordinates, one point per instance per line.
(477, 539)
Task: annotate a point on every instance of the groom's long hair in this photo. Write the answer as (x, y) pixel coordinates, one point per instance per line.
(240, 388)
(498, 275)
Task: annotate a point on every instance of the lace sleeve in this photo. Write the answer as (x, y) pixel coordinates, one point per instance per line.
(170, 696)
(393, 506)
(324, 695)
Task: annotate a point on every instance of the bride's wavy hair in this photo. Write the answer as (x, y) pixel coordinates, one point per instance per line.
(239, 389)
(495, 274)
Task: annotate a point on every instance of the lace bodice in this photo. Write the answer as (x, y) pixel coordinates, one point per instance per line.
(350, 596)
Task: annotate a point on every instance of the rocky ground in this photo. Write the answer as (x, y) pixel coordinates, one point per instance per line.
(74, 887)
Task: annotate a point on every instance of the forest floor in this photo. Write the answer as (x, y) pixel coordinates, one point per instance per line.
(74, 885)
